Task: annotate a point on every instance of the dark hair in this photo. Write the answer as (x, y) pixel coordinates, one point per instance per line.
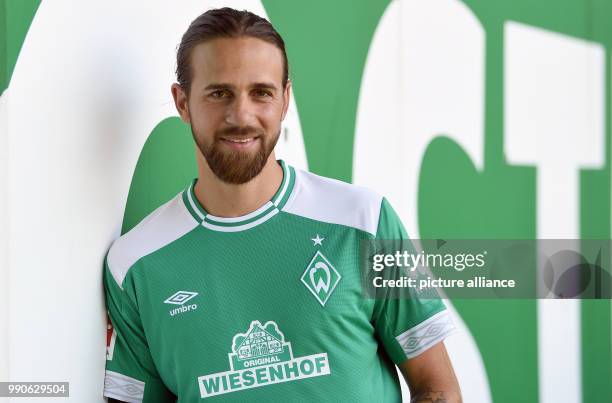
(224, 22)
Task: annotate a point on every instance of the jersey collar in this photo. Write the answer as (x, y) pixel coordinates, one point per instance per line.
(233, 224)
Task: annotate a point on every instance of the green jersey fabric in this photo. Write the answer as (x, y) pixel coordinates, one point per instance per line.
(266, 307)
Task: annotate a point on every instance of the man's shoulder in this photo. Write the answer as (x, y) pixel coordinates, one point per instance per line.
(165, 224)
(334, 201)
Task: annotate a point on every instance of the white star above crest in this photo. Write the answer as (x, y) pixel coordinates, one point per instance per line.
(317, 240)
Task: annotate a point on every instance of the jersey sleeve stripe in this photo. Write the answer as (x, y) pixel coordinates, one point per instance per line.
(123, 387)
(416, 340)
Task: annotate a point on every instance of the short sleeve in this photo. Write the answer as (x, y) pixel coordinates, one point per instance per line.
(130, 374)
(407, 326)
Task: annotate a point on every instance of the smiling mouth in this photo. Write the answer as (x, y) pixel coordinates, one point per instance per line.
(239, 142)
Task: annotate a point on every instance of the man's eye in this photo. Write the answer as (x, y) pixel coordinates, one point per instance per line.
(218, 94)
(262, 93)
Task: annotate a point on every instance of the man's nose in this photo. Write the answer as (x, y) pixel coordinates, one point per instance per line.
(240, 111)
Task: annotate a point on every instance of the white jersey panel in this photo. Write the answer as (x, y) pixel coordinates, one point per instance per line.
(335, 202)
(164, 225)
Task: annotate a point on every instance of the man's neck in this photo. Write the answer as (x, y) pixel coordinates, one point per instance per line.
(227, 200)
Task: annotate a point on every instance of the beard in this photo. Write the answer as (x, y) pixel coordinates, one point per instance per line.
(236, 166)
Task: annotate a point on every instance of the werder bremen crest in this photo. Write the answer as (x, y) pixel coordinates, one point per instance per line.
(321, 278)
(261, 357)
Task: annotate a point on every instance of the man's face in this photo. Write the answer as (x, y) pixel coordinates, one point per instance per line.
(236, 104)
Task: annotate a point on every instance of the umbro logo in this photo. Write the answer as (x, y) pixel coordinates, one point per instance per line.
(180, 298)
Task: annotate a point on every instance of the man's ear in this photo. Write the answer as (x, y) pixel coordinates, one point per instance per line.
(286, 98)
(180, 102)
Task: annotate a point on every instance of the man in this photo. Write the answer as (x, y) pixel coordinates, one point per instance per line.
(246, 286)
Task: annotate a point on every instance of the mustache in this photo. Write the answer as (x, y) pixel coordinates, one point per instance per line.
(239, 131)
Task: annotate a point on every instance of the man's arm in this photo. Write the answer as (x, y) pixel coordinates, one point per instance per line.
(431, 378)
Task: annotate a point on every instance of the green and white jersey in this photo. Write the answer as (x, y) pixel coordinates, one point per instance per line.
(266, 307)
